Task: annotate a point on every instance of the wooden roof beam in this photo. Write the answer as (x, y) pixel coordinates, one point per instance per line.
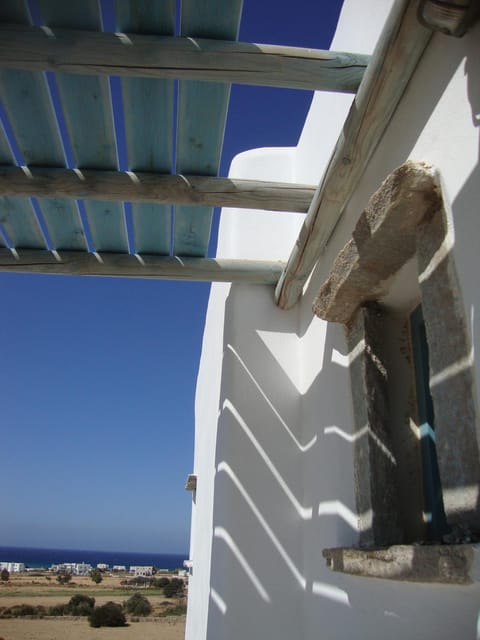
(80, 263)
(398, 51)
(156, 188)
(134, 55)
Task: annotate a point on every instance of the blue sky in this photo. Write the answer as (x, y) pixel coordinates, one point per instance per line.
(98, 375)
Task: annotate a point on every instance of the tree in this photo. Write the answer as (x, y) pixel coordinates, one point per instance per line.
(64, 577)
(138, 605)
(108, 615)
(5, 575)
(96, 576)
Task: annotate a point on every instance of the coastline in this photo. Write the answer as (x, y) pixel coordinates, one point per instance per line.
(43, 558)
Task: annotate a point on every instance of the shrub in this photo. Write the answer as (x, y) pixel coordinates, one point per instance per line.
(20, 610)
(108, 615)
(173, 588)
(80, 605)
(138, 605)
(178, 610)
(58, 610)
(41, 611)
(161, 582)
(5, 575)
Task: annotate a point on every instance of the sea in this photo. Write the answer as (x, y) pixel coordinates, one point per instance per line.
(44, 558)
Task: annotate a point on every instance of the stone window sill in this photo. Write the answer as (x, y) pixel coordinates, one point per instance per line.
(447, 564)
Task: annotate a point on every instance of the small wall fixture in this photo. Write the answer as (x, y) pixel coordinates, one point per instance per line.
(191, 484)
(452, 18)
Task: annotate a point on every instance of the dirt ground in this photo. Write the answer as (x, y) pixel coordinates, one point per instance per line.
(58, 629)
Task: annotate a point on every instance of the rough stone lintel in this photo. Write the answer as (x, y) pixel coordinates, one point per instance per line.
(448, 564)
(384, 239)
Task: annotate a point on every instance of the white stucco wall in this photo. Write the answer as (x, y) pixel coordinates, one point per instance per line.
(273, 452)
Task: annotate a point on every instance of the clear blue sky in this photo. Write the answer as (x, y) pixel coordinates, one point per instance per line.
(98, 375)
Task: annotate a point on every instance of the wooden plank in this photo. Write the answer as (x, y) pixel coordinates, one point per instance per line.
(87, 110)
(159, 267)
(27, 105)
(145, 16)
(32, 118)
(19, 221)
(14, 11)
(201, 117)
(82, 15)
(199, 58)
(33, 124)
(148, 101)
(399, 49)
(6, 156)
(64, 224)
(156, 188)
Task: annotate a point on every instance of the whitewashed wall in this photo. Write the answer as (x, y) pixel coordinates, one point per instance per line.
(273, 409)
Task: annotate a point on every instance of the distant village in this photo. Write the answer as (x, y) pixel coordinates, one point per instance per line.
(83, 569)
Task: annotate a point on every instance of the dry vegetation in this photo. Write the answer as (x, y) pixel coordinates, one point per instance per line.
(42, 589)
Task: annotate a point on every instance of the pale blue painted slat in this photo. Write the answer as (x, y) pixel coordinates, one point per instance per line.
(5, 153)
(27, 105)
(5, 159)
(64, 224)
(19, 221)
(14, 11)
(201, 115)
(152, 228)
(86, 105)
(218, 19)
(79, 14)
(145, 16)
(107, 226)
(202, 110)
(29, 111)
(43, 145)
(88, 117)
(192, 230)
(148, 111)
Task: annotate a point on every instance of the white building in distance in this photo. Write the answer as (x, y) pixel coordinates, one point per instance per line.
(12, 567)
(75, 568)
(140, 571)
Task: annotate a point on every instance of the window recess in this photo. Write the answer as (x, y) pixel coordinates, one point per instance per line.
(417, 469)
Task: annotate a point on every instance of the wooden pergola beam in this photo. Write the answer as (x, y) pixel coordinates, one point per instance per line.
(95, 53)
(399, 49)
(145, 266)
(156, 188)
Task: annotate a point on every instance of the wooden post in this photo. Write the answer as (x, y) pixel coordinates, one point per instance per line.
(147, 266)
(157, 188)
(400, 47)
(134, 55)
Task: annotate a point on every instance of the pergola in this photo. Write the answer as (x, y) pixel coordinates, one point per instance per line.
(109, 166)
